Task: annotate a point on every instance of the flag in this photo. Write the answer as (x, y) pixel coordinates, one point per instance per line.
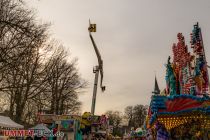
(92, 28)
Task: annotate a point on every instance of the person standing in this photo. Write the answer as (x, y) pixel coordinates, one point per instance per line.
(55, 130)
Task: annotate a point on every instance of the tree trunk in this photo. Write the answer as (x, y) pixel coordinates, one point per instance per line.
(19, 113)
(57, 107)
(19, 109)
(11, 108)
(52, 106)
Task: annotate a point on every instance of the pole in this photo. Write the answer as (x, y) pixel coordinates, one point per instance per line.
(96, 71)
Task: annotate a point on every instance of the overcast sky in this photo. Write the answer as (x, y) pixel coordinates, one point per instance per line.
(134, 38)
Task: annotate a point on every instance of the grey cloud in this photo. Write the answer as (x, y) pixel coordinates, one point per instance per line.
(133, 36)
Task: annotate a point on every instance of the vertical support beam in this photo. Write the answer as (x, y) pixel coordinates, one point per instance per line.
(96, 71)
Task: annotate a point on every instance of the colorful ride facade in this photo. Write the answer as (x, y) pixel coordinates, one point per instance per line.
(186, 98)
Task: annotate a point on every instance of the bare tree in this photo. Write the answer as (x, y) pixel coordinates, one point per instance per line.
(140, 113)
(64, 82)
(33, 74)
(20, 41)
(136, 115)
(18, 31)
(115, 119)
(23, 82)
(129, 115)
